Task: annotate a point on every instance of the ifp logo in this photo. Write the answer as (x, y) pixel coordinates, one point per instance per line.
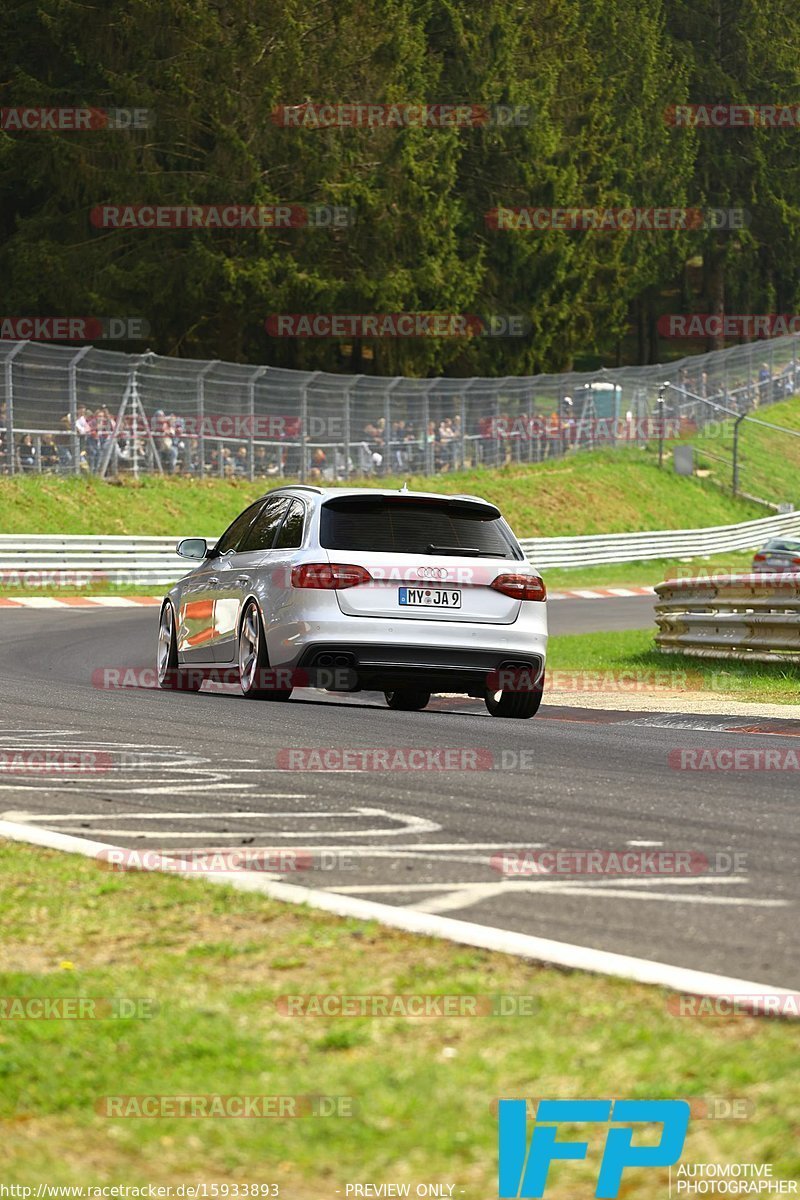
(523, 1172)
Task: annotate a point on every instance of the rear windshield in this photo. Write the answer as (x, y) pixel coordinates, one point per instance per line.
(406, 527)
(779, 544)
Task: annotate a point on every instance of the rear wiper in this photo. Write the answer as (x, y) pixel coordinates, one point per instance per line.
(467, 551)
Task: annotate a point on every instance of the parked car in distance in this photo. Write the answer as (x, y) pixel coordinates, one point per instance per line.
(779, 554)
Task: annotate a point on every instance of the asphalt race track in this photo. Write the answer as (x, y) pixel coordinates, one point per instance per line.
(205, 771)
(600, 616)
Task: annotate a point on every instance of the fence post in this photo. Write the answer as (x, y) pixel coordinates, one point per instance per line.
(347, 424)
(201, 413)
(427, 451)
(736, 425)
(387, 420)
(73, 405)
(251, 387)
(304, 424)
(9, 374)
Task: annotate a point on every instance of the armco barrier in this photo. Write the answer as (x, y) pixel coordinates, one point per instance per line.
(755, 617)
(146, 560)
(38, 559)
(665, 543)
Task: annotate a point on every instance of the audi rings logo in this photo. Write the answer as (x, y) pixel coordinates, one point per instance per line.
(432, 572)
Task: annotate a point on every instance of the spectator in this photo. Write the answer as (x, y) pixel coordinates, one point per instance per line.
(164, 440)
(92, 440)
(63, 442)
(26, 452)
(432, 459)
(446, 437)
(228, 467)
(242, 461)
(49, 453)
(319, 465)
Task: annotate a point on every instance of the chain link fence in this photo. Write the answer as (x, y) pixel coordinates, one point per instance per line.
(71, 411)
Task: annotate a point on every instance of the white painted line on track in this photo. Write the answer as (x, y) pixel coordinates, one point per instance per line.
(465, 933)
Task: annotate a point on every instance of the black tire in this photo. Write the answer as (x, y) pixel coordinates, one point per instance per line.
(170, 676)
(252, 658)
(407, 699)
(517, 705)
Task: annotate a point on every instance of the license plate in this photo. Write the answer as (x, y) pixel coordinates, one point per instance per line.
(429, 597)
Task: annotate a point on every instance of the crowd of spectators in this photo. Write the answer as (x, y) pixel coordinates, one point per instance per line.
(92, 442)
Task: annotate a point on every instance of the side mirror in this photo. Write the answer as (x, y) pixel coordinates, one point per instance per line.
(194, 548)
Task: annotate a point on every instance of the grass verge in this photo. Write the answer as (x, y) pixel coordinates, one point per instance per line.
(647, 573)
(216, 961)
(769, 459)
(597, 492)
(633, 651)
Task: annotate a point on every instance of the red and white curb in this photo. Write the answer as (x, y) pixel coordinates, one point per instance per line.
(150, 601)
(80, 602)
(599, 593)
(463, 933)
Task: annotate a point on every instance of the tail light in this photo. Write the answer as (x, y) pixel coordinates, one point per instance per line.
(329, 576)
(796, 561)
(759, 558)
(521, 587)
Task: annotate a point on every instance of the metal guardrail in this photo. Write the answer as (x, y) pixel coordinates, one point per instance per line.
(74, 560)
(754, 618)
(79, 559)
(598, 549)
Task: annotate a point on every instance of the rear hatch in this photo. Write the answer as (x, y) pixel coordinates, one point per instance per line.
(429, 559)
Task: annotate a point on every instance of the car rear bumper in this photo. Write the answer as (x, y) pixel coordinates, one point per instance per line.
(351, 666)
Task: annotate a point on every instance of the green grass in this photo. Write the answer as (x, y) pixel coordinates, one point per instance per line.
(634, 650)
(597, 492)
(646, 573)
(769, 461)
(216, 962)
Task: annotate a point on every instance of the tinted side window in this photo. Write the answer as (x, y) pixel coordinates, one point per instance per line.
(236, 530)
(261, 533)
(291, 531)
